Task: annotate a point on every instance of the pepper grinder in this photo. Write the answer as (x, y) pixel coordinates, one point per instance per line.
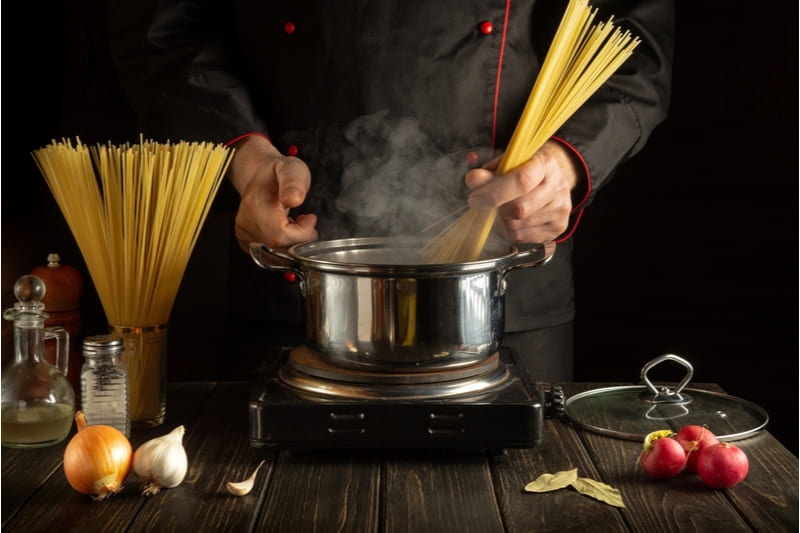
(62, 303)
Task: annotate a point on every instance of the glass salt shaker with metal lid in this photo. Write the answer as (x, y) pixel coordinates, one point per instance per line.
(38, 402)
(104, 382)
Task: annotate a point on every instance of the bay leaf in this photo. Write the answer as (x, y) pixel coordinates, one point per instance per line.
(599, 491)
(551, 482)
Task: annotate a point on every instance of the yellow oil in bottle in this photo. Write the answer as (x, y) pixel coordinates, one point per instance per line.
(35, 426)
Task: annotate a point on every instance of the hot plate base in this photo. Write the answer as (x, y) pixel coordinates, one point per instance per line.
(506, 416)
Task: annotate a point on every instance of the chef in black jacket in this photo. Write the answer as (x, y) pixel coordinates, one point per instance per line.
(358, 117)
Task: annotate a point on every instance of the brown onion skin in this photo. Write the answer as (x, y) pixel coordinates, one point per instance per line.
(95, 452)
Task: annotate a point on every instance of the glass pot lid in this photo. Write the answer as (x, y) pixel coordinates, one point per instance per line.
(632, 412)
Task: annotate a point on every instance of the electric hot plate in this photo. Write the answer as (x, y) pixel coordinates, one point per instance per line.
(310, 403)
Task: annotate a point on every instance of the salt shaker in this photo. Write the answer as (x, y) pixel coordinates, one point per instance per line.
(104, 383)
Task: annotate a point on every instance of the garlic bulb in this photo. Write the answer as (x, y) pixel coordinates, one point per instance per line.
(161, 462)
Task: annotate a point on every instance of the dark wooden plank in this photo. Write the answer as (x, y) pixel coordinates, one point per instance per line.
(219, 451)
(29, 469)
(439, 491)
(323, 491)
(57, 507)
(561, 449)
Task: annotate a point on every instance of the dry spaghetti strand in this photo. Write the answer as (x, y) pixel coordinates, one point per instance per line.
(581, 58)
(135, 212)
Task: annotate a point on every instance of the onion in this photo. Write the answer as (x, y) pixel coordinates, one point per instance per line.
(97, 459)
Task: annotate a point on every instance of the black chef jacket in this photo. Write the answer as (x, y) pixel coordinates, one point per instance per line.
(389, 103)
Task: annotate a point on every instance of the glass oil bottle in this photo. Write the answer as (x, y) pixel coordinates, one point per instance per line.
(38, 401)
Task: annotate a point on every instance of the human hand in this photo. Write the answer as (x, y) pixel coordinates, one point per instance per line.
(269, 185)
(534, 200)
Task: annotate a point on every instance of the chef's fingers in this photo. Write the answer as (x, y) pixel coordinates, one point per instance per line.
(551, 195)
(526, 220)
(301, 229)
(552, 163)
(277, 231)
(272, 226)
(478, 177)
(545, 232)
(507, 187)
(294, 180)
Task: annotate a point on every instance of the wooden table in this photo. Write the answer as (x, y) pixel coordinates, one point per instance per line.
(388, 491)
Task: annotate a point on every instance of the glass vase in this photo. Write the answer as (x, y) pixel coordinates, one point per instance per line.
(146, 358)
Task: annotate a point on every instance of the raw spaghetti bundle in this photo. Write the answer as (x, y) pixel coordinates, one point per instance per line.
(135, 212)
(582, 56)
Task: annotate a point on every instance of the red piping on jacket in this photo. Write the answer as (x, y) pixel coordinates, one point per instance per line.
(499, 71)
(576, 209)
(585, 170)
(240, 137)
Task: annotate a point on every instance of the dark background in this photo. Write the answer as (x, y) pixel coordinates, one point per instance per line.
(691, 250)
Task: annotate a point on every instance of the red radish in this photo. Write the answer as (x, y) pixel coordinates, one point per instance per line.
(694, 439)
(722, 465)
(663, 457)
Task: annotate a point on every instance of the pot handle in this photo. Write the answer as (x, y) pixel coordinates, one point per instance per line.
(256, 251)
(534, 255)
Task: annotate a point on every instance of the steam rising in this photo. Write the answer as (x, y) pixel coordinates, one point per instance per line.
(395, 179)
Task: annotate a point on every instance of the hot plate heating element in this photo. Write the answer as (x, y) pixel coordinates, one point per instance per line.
(313, 404)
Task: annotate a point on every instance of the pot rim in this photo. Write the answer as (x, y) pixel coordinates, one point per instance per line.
(307, 254)
(305, 257)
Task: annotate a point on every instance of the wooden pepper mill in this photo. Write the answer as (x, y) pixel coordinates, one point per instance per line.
(63, 288)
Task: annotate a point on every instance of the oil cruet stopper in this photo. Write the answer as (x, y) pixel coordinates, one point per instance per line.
(38, 402)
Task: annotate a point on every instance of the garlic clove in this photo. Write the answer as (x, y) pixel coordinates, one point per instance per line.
(240, 488)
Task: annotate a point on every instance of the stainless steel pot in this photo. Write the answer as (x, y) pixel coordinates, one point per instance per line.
(375, 303)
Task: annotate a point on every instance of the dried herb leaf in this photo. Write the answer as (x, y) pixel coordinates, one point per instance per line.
(599, 491)
(551, 482)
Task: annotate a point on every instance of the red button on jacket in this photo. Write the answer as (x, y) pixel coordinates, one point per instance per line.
(486, 27)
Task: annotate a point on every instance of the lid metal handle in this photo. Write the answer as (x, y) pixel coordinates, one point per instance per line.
(665, 394)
